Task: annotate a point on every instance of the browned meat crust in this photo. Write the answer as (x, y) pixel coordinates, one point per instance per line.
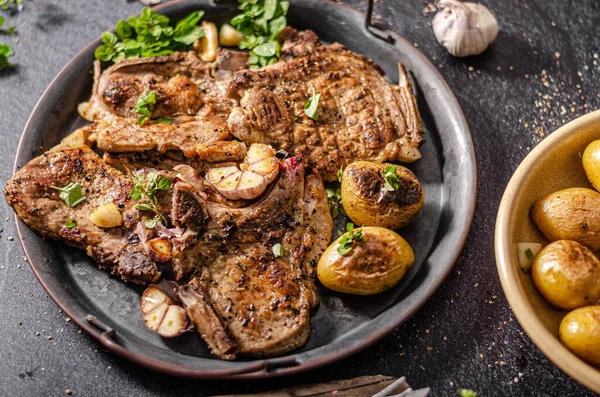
(361, 116)
(189, 92)
(37, 204)
(259, 301)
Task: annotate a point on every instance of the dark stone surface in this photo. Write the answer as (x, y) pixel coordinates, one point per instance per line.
(460, 334)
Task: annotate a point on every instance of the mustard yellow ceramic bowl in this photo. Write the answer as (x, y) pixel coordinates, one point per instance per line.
(553, 165)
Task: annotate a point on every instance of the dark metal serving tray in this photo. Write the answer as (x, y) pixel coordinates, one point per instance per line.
(342, 324)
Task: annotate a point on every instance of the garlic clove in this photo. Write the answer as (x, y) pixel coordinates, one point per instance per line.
(174, 323)
(259, 151)
(268, 168)
(228, 185)
(464, 28)
(155, 317)
(153, 297)
(159, 249)
(106, 216)
(251, 185)
(216, 175)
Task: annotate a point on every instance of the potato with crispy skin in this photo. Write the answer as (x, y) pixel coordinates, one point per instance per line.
(567, 274)
(374, 195)
(376, 262)
(591, 163)
(580, 331)
(570, 214)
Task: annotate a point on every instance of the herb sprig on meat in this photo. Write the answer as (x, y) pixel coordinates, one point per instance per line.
(5, 50)
(260, 22)
(148, 35)
(147, 187)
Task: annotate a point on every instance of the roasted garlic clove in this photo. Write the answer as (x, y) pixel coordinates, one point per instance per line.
(207, 46)
(216, 175)
(106, 216)
(159, 249)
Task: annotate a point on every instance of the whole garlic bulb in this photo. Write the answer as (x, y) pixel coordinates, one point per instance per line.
(464, 28)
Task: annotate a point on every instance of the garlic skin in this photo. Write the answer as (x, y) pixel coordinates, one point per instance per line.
(464, 28)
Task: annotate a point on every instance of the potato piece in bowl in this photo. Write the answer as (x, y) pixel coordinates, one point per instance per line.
(580, 331)
(567, 274)
(570, 214)
(369, 200)
(591, 163)
(375, 262)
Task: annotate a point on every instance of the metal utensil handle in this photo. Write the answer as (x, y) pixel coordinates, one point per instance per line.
(374, 30)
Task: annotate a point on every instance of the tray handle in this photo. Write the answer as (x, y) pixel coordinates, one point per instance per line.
(373, 29)
(107, 333)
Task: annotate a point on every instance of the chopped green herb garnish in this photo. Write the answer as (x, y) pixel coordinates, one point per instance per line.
(348, 238)
(164, 120)
(71, 194)
(71, 223)
(467, 393)
(311, 108)
(147, 187)
(340, 173)
(147, 35)
(10, 4)
(529, 254)
(390, 178)
(10, 31)
(278, 250)
(5, 50)
(5, 53)
(260, 22)
(144, 106)
(334, 199)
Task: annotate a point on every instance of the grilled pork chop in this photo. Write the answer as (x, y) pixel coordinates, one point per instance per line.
(37, 204)
(360, 117)
(244, 300)
(189, 92)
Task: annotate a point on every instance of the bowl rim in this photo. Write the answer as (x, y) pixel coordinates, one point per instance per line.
(547, 342)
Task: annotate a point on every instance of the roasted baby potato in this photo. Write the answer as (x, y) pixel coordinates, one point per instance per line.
(591, 163)
(570, 214)
(369, 201)
(567, 274)
(374, 264)
(580, 331)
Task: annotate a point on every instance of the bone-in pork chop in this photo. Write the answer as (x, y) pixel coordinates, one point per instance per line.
(360, 115)
(190, 96)
(245, 300)
(30, 192)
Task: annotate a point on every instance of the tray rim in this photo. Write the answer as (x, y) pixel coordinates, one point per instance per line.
(261, 369)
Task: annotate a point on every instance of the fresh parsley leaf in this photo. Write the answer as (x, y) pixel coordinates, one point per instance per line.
(70, 194)
(71, 223)
(149, 34)
(348, 238)
(144, 106)
(186, 31)
(278, 250)
(5, 53)
(340, 173)
(529, 254)
(311, 108)
(467, 393)
(260, 22)
(9, 31)
(267, 49)
(334, 199)
(10, 4)
(390, 178)
(144, 207)
(164, 120)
